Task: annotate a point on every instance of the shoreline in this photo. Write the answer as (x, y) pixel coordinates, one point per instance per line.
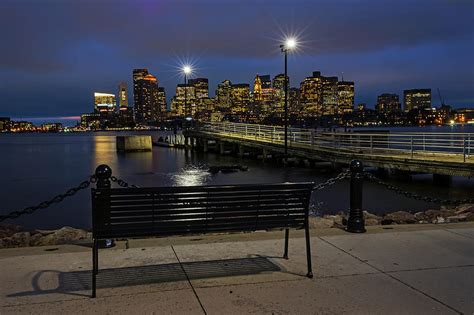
(14, 236)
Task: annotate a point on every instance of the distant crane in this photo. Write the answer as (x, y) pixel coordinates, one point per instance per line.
(441, 99)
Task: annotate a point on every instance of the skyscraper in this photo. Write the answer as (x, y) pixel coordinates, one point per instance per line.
(146, 96)
(279, 92)
(223, 95)
(329, 95)
(311, 95)
(184, 101)
(240, 98)
(416, 99)
(162, 101)
(123, 96)
(345, 95)
(138, 74)
(388, 103)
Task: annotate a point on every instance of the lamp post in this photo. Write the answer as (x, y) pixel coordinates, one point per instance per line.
(289, 44)
(186, 71)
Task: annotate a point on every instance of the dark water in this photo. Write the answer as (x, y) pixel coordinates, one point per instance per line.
(35, 167)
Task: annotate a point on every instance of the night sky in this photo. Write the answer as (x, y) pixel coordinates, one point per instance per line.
(55, 54)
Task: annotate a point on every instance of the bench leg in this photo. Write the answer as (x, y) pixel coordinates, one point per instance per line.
(287, 236)
(95, 265)
(308, 250)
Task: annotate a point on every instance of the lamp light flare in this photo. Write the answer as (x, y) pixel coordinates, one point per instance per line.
(187, 69)
(290, 43)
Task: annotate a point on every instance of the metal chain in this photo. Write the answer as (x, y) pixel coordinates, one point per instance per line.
(415, 196)
(122, 183)
(46, 204)
(344, 174)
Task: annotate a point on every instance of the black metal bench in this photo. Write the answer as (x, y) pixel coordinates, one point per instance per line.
(178, 211)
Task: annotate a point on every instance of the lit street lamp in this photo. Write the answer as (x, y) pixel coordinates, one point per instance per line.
(290, 44)
(186, 70)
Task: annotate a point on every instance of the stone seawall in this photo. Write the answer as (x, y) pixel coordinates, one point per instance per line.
(14, 236)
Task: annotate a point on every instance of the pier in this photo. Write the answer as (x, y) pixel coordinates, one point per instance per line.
(445, 154)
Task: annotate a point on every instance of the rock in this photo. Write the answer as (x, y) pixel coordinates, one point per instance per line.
(65, 235)
(465, 208)
(372, 219)
(371, 222)
(438, 220)
(20, 239)
(320, 223)
(7, 230)
(431, 216)
(399, 217)
(470, 217)
(457, 218)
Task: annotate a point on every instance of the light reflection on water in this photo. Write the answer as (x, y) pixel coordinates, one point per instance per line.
(191, 175)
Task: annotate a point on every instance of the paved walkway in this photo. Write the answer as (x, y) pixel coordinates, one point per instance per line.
(399, 272)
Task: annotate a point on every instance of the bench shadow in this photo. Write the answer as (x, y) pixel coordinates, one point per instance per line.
(70, 282)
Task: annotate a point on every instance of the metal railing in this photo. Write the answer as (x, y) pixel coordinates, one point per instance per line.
(456, 146)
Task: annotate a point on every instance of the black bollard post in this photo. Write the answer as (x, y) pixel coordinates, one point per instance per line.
(103, 173)
(355, 223)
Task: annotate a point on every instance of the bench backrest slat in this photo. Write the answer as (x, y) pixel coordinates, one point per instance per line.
(164, 211)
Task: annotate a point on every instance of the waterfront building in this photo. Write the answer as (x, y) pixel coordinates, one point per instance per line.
(201, 87)
(329, 95)
(5, 124)
(311, 96)
(345, 97)
(123, 96)
(201, 93)
(416, 99)
(224, 95)
(104, 103)
(388, 103)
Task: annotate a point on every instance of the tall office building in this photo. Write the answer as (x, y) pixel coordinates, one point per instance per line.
(294, 105)
(388, 103)
(240, 97)
(345, 97)
(279, 92)
(138, 74)
(162, 100)
(267, 90)
(223, 95)
(311, 95)
(104, 103)
(184, 101)
(145, 95)
(416, 99)
(329, 95)
(123, 96)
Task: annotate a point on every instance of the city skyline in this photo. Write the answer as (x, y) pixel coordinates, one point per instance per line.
(45, 64)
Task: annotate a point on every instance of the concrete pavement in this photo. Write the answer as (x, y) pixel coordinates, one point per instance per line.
(401, 270)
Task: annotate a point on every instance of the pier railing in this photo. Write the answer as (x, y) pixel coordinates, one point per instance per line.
(458, 146)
